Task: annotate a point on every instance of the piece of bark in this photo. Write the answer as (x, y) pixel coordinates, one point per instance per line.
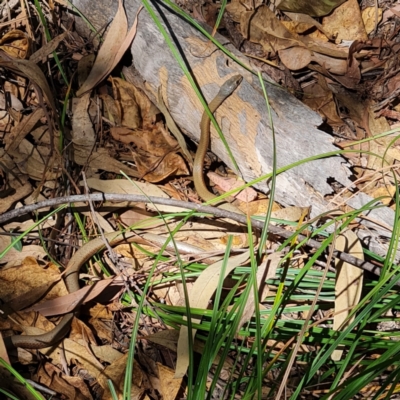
(243, 117)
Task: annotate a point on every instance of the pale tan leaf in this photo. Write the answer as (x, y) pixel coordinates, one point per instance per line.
(127, 41)
(349, 281)
(199, 297)
(108, 51)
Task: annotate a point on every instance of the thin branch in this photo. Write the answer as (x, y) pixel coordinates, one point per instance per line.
(218, 212)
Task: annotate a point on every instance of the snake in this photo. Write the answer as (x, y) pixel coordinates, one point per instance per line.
(71, 281)
(87, 251)
(227, 88)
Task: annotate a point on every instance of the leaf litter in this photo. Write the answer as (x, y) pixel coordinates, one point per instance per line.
(342, 69)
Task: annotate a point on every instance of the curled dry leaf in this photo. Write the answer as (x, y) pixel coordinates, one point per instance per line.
(31, 71)
(84, 141)
(16, 43)
(113, 48)
(170, 387)
(106, 56)
(72, 387)
(134, 107)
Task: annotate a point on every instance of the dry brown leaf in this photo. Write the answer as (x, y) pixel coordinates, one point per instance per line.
(6, 202)
(22, 129)
(31, 160)
(69, 351)
(333, 65)
(42, 54)
(268, 31)
(111, 112)
(303, 22)
(387, 191)
(106, 353)
(82, 334)
(69, 302)
(320, 98)
(295, 58)
(170, 386)
(314, 8)
(134, 107)
(26, 278)
(156, 169)
(30, 70)
(101, 159)
(52, 377)
(116, 372)
(345, 22)
(260, 207)
(199, 297)
(16, 43)
(83, 136)
(349, 281)
(85, 65)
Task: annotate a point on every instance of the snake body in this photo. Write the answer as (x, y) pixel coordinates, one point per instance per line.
(91, 248)
(227, 88)
(71, 280)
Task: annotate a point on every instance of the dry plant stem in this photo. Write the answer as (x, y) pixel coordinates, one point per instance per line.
(136, 198)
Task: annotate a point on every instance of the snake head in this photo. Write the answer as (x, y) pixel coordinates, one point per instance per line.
(229, 86)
